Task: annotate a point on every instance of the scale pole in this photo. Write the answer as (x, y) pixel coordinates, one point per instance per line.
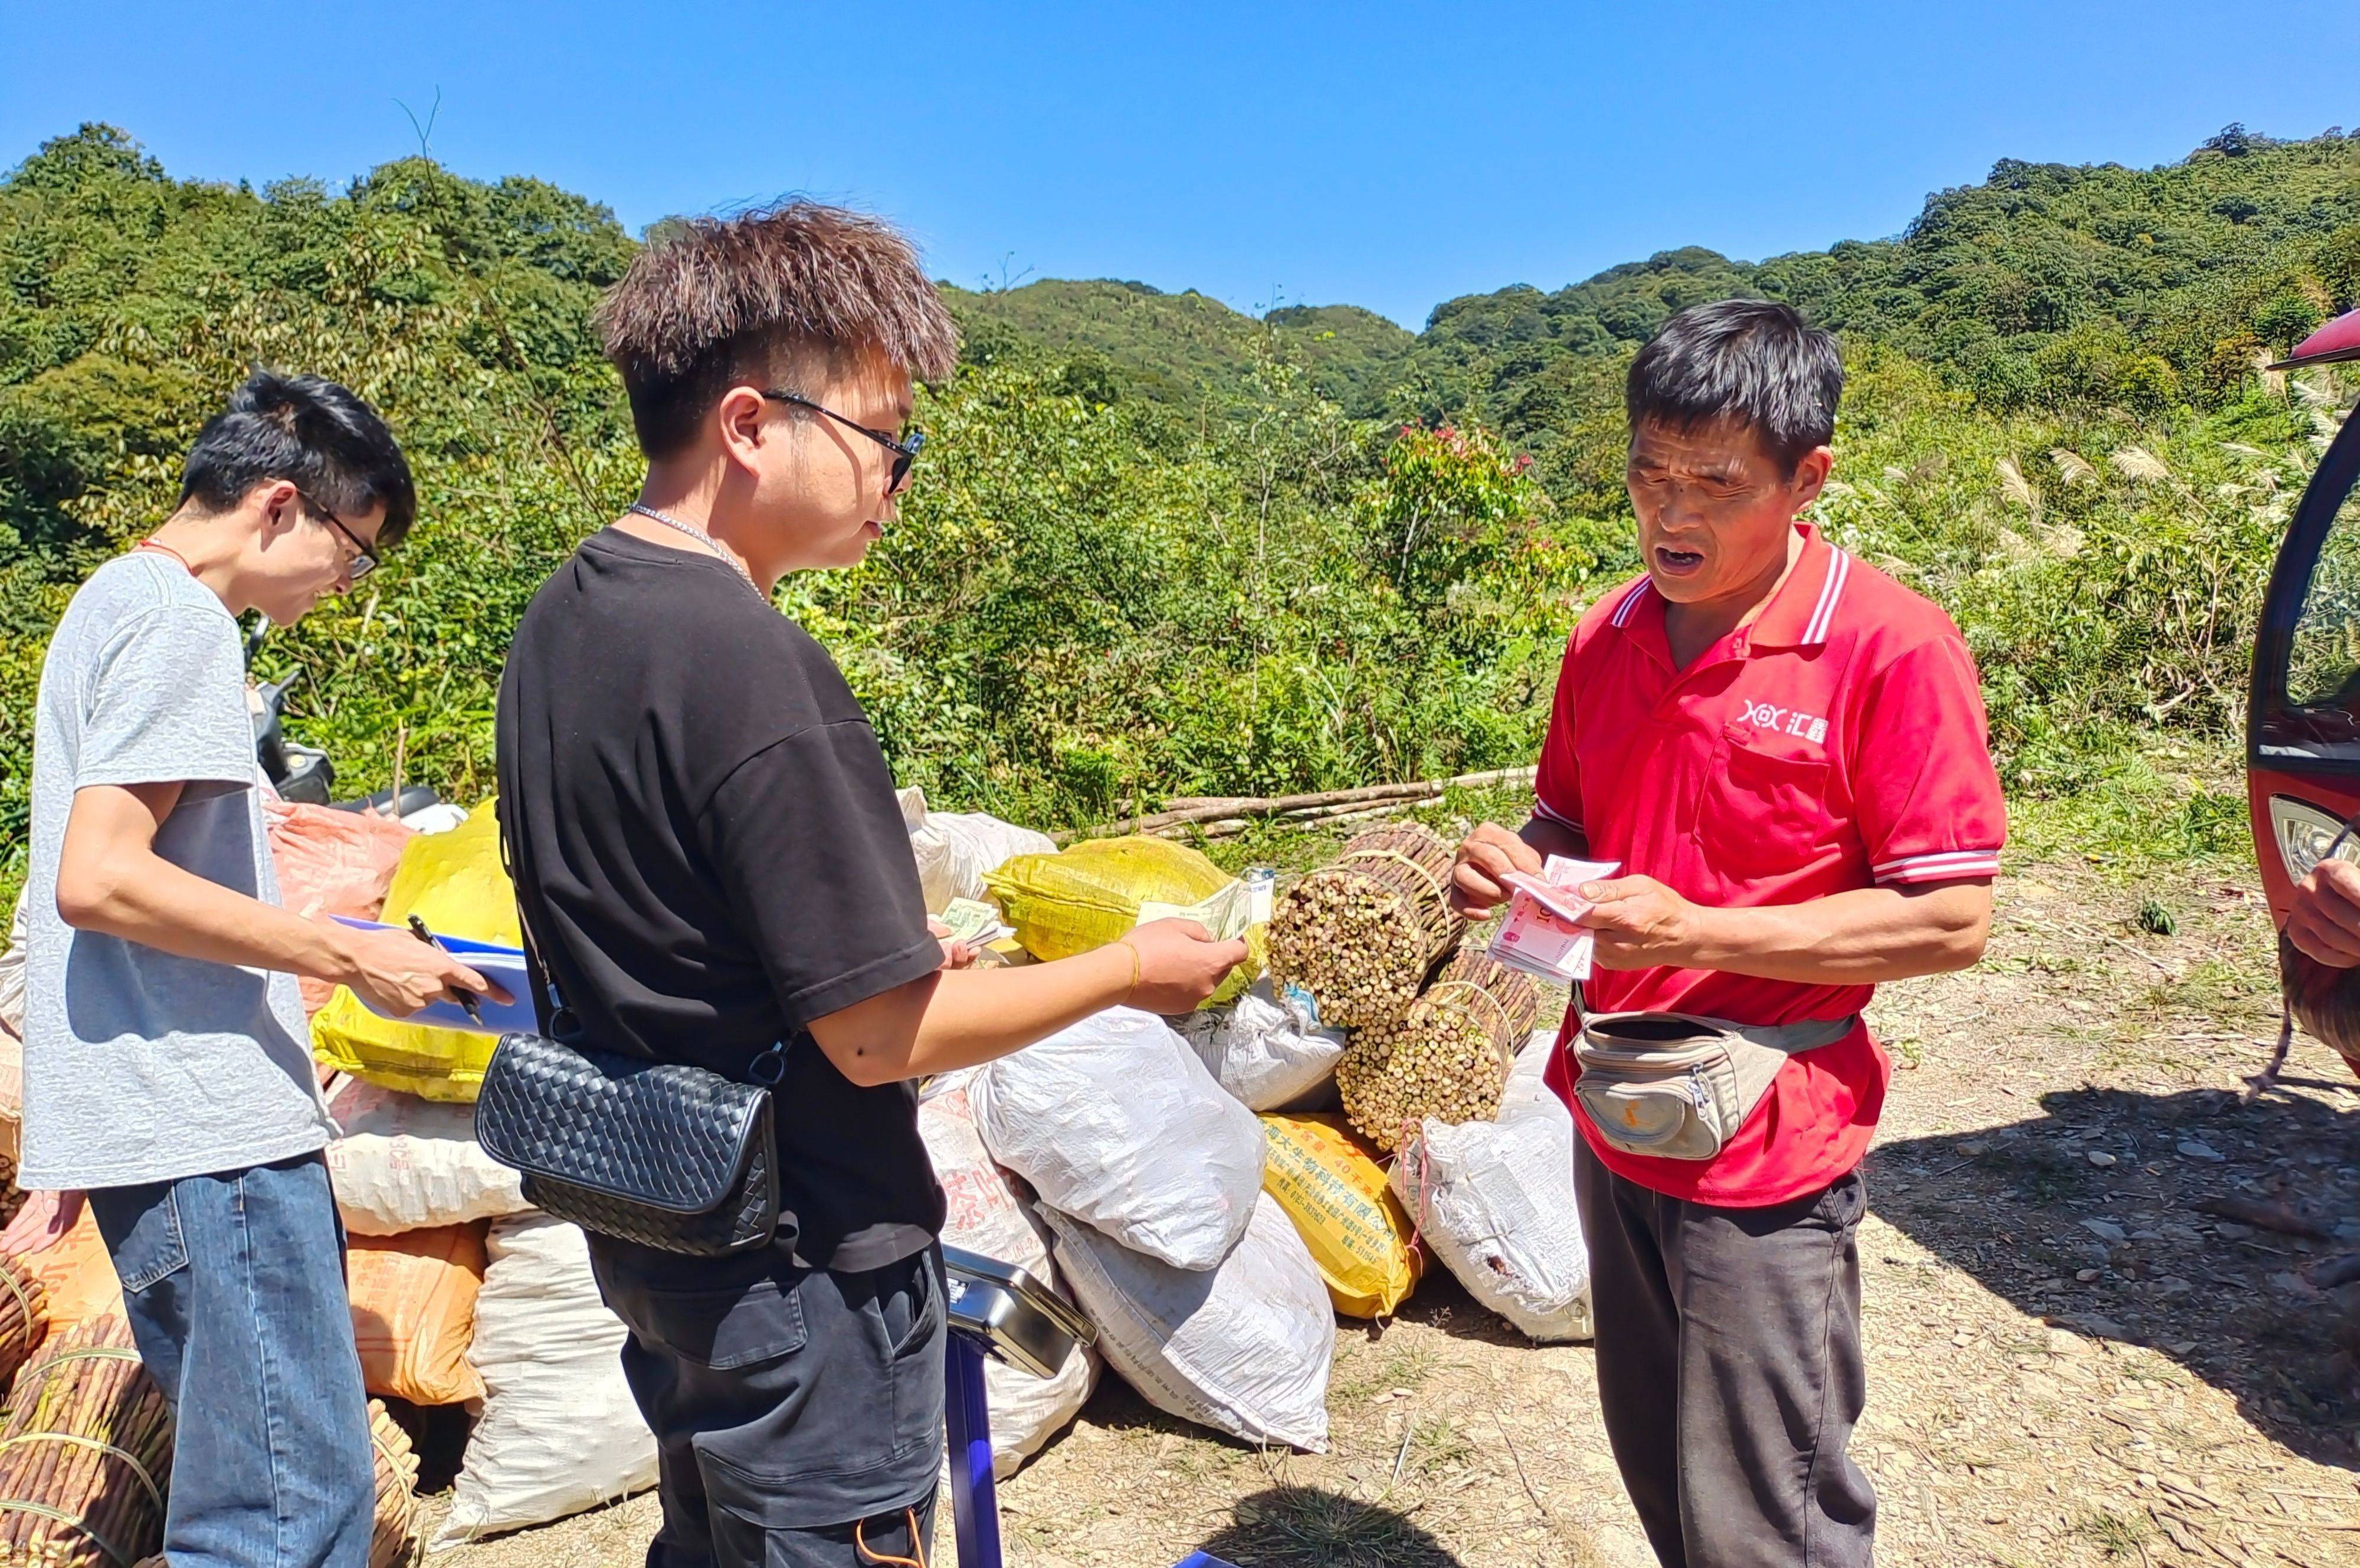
(975, 1499)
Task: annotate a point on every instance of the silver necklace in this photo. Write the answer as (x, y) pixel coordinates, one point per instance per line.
(701, 537)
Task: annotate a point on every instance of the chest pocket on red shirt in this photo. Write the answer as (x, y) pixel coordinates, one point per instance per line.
(1764, 815)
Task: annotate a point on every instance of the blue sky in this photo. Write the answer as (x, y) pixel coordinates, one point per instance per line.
(1382, 155)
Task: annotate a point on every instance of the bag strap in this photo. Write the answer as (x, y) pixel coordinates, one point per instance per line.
(564, 1023)
(1790, 1038)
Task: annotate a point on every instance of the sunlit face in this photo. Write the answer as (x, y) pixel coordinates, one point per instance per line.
(299, 556)
(1715, 510)
(828, 483)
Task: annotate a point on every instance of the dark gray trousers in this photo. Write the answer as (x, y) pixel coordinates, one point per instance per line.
(1729, 1370)
(798, 1412)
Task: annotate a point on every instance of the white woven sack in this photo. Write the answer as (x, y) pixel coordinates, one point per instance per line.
(1244, 1348)
(12, 974)
(12, 1035)
(406, 1164)
(1494, 1201)
(560, 1433)
(1263, 1047)
(954, 849)
(1115, 1123)
(986, 1215)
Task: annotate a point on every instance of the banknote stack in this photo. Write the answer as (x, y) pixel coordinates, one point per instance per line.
(1541, 935)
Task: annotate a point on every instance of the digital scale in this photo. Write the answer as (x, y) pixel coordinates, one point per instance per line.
(999, 1311)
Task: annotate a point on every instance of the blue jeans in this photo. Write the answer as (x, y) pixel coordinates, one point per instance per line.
(235, 1284)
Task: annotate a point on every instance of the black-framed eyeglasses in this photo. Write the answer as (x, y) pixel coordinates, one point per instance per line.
(905, 449)
(363, 560)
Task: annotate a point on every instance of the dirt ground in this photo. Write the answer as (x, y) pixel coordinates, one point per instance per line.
(2094, 1329)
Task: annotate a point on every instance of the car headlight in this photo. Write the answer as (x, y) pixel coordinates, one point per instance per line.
(2306, 834)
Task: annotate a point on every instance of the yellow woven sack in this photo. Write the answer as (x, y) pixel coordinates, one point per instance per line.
(1331, 1186)
(452, 881)
(1088, 894)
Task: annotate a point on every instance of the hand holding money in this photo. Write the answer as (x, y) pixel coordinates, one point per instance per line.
(1546, 934)
(1638, 923)
(1486, 858)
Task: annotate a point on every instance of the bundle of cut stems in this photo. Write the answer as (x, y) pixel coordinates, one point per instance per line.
(1447, 1056)
(85, 1454)
(1361, 934)
(395, 1540)
(24, 1317)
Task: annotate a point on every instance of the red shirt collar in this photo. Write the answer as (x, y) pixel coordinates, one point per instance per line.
(1799, 614)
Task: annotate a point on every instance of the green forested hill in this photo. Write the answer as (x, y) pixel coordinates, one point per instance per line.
(1159, 547)
(2046, 286)
(1178, 348)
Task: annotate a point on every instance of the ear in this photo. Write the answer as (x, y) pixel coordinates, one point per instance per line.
(743, 418)
(1810, 476)
(277, 504)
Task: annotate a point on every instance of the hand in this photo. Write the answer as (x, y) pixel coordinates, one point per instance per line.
(1485, 856)
(2325, 924)
(956, 954)
(395, 974)
(1641, 924)
(1180, 964)
(42, 1223)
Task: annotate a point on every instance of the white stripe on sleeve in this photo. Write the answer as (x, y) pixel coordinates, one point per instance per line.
(1541, 809)
(1955, 863)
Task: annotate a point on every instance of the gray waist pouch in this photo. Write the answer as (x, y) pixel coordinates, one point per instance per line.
(1680, 1086)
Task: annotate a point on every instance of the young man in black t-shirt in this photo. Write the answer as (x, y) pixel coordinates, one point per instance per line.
(710, 856)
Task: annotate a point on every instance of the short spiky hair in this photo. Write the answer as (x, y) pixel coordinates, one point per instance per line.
(780, 292)
(1749, 361)
(312, 433)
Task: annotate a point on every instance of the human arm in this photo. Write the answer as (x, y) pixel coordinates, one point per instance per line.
(111, 880)
(964, 1017)
(1860, 937)
(807, 840)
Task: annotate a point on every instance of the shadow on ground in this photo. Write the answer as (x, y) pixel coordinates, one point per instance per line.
(1443, 1303)
(1306, 1527)
(2214, 1232)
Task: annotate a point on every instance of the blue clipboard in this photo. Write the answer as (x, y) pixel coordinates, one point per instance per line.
(503, 965)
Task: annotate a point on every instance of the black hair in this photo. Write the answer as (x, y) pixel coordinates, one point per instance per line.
(1754, 362)
(314, 434)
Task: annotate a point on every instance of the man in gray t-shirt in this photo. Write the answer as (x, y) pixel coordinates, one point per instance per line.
(166, 1070)
(148, 1066)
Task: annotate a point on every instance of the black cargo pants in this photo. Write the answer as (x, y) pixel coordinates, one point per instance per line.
(798, 1412)
(1729, 1370)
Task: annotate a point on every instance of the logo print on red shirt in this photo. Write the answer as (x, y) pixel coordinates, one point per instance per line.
(1786, 721)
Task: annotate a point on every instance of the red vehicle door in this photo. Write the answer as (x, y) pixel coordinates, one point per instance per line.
(2302, 752)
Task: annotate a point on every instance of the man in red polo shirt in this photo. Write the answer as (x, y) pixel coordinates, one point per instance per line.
(1784, 751)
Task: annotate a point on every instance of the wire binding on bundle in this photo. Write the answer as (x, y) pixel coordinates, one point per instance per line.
(1447, 1056)
(1361, 934)
(85, 1454)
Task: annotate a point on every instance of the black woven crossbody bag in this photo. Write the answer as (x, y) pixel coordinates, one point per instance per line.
(658, 1153)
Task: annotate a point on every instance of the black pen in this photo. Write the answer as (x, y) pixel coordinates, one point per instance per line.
(466, 998)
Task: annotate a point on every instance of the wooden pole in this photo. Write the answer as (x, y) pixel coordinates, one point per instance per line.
(1239, 809)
